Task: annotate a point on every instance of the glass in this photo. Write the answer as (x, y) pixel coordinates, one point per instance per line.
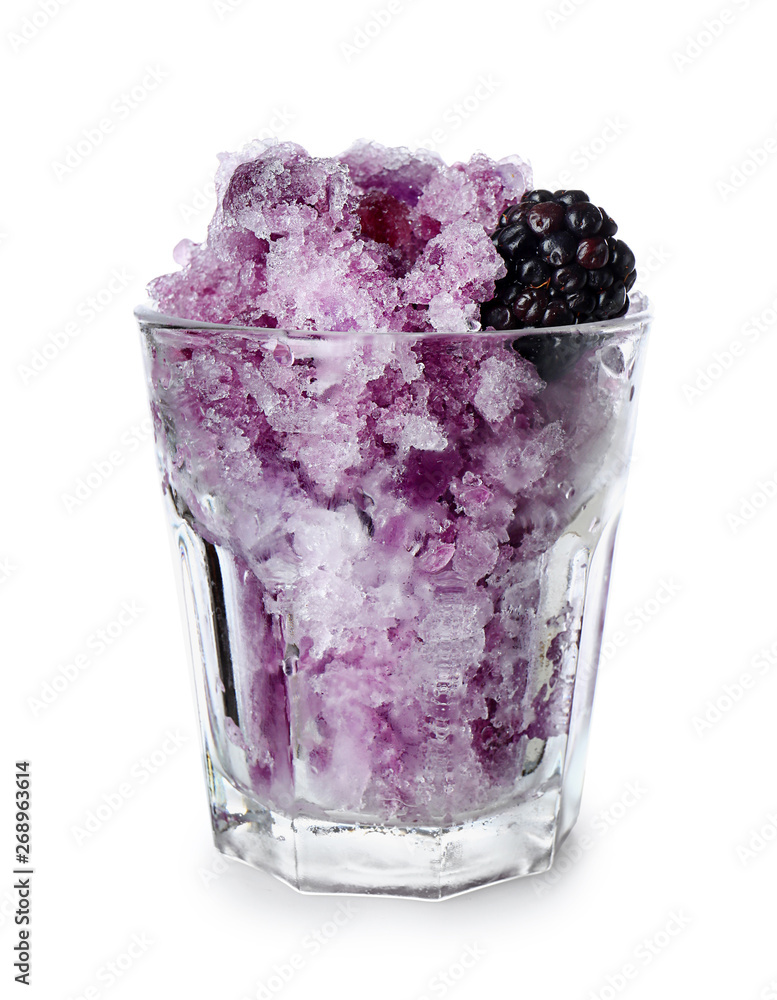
(395, 551)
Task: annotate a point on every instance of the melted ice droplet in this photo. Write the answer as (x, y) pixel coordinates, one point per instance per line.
(283, 355)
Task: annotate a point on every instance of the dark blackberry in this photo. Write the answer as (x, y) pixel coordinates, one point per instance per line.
(534, 272)
(612, 300)
(558, 248)
(558, 313)
(609, 226)
(552, 355)
(583, 219)
(593, 253)
(509, 214)
(516, 242)
(546, 217)
(582, 303)
(507, 291)
(497, 315)
(622, 260)
(570, 197)
(564, 267)
(536, 196)
(569, 279)
(600, 279)
(529, 307)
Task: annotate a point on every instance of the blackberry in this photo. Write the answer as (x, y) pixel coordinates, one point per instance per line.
(593, 253)
(553, 356)
(536, 196)
(516, 242)
(568, 279)
(564, 267)
(558, 248)
(545, 217)
(583, 219)
(600, 279)
(533, 272)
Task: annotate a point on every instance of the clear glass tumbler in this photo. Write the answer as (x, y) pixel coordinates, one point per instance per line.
(395, 551)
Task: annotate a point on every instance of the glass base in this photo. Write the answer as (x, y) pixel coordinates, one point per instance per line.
(316, 855)
(316, 850)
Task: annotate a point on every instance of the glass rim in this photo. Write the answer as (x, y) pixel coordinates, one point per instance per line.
(639, 315)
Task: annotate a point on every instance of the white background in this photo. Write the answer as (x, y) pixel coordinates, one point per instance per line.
(652, 111)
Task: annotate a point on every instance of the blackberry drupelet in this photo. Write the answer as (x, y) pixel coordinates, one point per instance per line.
(564, 267)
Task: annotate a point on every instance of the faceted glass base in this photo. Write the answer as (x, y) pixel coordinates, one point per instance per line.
(321, 856)
(320, 851)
